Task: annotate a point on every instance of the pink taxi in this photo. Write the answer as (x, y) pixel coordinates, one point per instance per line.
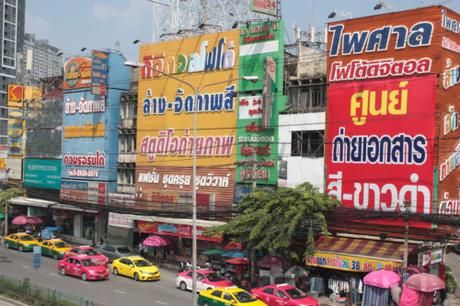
(84, 267)
(283, 295)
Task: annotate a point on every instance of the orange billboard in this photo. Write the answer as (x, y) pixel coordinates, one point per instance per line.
(173, 73)
(77, 73)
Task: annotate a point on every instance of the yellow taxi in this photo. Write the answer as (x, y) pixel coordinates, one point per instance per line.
(55, 248)
(20, 241)
(228, 296)
(136, 267)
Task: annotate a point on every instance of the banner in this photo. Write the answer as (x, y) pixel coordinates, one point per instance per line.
(100, 61)
(268, 7)
(380, 143)
(178, 230)
(42, 173)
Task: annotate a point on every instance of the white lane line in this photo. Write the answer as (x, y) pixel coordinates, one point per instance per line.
(119, 291)
(160, 302)
(86, 283)
(53, 274)
(25, 267)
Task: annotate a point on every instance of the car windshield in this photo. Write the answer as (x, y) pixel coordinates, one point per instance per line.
(244, 297)
(90, 252)
(90, 263)
(124, 250)
(214, 277)
(142, 263)
(61, 244)
(26, 238)
(295, 293)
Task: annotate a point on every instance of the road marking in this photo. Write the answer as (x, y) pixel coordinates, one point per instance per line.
(119, 291)
(160, 302)
(86, 283)
(25, 267)
(53, 274)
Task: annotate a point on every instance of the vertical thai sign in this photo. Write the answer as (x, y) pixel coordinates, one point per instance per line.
(100, 61)
(209, 63)
(261, 55)
(380, 131)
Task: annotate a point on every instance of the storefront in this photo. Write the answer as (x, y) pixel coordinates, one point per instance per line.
(78, 224)
(339, 263)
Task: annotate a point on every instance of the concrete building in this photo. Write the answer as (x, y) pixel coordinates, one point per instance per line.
(39, 60)
(12, 15)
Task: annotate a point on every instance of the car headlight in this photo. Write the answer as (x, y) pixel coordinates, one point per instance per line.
(91, 272)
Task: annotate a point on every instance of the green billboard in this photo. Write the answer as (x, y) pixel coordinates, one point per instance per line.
(42, 173)
(261, 55)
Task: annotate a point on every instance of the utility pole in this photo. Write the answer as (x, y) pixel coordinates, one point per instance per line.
(406, 215)
(254, 169)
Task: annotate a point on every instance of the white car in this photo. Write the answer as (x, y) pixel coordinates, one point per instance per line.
(206, 279)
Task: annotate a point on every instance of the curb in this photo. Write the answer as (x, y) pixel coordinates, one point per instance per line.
(10, 300)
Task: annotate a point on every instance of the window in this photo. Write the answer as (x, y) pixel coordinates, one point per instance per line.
(124, 261)
(307, 143)
(70, 260)
(217, 293)
(269, 290)
(109, 249)
(280, 294)
(227, 297)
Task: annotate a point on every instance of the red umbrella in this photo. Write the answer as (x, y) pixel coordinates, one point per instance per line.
(156, 241)
(268, 262)
(233, 245)
(425, 282)
(20, 220)
(238, 261)
(34, 220)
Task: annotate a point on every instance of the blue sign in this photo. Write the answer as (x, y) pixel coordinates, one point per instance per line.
(37, 259)
(99, 73)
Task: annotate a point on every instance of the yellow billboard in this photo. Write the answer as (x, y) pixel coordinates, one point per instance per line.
(209, 65)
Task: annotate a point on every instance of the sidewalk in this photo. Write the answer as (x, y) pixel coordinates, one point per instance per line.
(452, 300)
(6, 301)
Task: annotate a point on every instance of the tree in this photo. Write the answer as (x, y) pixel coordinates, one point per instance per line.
(8, 194)
(281, 220)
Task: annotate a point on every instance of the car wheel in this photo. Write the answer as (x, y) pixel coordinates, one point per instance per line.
(55, 256)
(62, 271)
(115, 271)
(206, 304)
(21, 249)
(136, 277)
(7, 245)
(83, 276)
(183, 286)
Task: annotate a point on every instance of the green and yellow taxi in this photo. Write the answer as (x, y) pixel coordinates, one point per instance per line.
(55, 248)
(136, 267)
(233, 296)
(20, 241)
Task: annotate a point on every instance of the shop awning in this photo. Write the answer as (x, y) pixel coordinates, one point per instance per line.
(47, 204)
(359, 255)
(199, 222)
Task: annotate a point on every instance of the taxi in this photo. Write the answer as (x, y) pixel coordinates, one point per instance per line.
(55, 248)
(136, 267)
(20, 241)
(228, 296)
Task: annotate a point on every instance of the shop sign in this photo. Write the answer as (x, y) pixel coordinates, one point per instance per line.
(450, 121)
(77, 73)
(380, 142)
(84, 131)
(450, 24)
(268, 7)
(16, 134)
(42, 173)
(259, 32)
(450, 164)
(451, 75)
(121, 199)
(85, 191)
(250, 107)
(450, 45)
(210, 180)
(83, 106)
(120, 220)
(449, 207)
(351, 263)
(430, 257)
(14, 166)
(178, 230)
(15, 95)
(100, 69)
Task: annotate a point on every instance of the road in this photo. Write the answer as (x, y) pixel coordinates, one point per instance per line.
(115, 291)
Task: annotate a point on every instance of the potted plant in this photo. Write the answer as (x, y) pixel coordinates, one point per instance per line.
(451, 284)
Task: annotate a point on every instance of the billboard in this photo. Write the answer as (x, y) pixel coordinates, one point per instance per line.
(209, 64)
(261, 55)
(92, 192)
(100, 60)
(268, 7)
(380, 142)
(77, 73)
(42, 173)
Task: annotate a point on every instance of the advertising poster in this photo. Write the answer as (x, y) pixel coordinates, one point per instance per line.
(177, 230)
(42, 173)
(100, 61)
(77, 73)
(261, 55)
(268, 7)
(15, 95)
(379, 146)
(165, 108)
(92, 192)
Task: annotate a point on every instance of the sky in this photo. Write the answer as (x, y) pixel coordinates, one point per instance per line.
(100, 24)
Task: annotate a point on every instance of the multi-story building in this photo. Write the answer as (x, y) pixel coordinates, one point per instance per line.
(12, 15)
(39, 60)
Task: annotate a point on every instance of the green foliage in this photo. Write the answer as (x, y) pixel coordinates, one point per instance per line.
(450, 279)
(271, 219)
(8, 194)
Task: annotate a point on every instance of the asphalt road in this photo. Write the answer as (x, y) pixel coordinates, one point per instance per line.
(115, 291)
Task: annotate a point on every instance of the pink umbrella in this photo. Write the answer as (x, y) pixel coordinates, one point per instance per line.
(382, 279)
(34, 220)
(20, 220)
(425, 282)
(156, 241)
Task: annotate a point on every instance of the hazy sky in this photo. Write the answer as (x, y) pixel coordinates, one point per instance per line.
(71, 25)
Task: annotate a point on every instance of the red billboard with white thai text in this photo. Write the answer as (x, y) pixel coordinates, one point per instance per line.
(380, 139)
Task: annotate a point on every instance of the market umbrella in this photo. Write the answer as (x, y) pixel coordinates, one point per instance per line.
(212, 252)
(238, 261)
(156, 241)
(382, 279)
(20, 220)
(233, 245)
(425, 282)
(34, 220)
(232, 254)
(268, 262)
(374, 296)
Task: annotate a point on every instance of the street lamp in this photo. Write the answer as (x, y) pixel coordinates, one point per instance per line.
(344, 14)
(196, 92)
(382, 4)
